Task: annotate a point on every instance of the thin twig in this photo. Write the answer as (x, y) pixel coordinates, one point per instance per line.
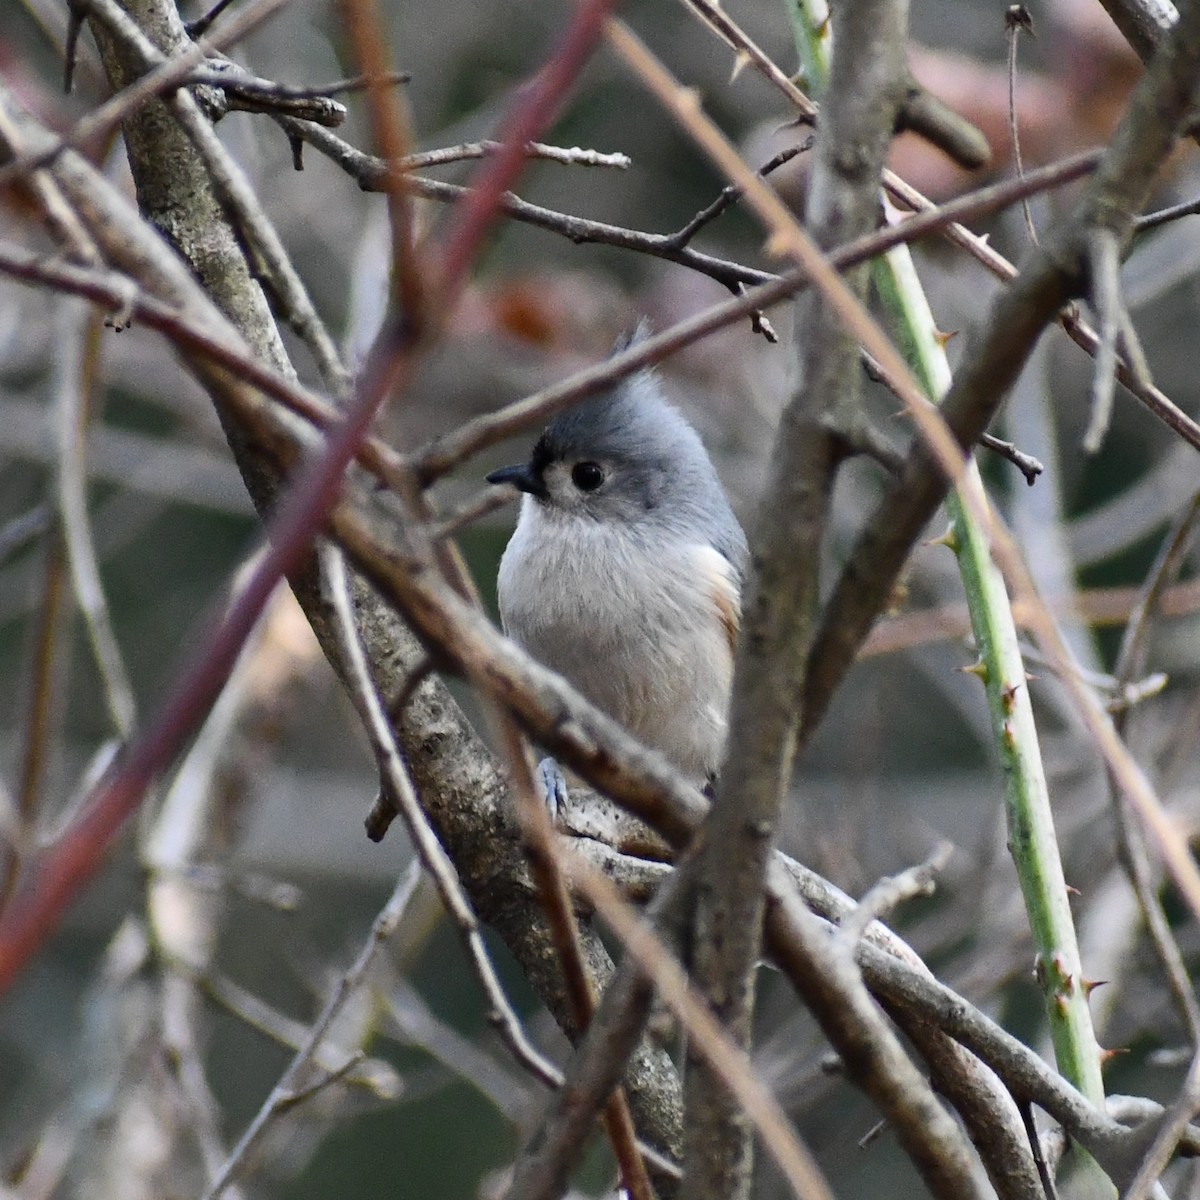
(1029, 466)
(1016, 21)
(1188, 208)
(890, 892)
(1035, 1145)
(349, 984)
(392, 133)
(74, 375)
(1104, 291)
(730, 195)
(465, 151)
(433, 856)
(200, 26)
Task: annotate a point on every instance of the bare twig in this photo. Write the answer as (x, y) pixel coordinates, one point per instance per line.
(391, 130)
(442, 455)
(1188, 208)
(73, 382)
(371, 175)
(568, 156)
(893, 891)
(925, 115)
(1016, 21)
(231, 88)
(286, 1092)
(730, 195)
(433, 857)
(1029, 466)
(200, 26)
(1104, 289)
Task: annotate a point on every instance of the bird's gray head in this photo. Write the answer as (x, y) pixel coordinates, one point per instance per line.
(628, 457)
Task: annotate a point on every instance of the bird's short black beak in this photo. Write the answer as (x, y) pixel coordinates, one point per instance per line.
(523, 477)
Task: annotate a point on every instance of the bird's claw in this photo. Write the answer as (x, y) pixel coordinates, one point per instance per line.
(554, 786)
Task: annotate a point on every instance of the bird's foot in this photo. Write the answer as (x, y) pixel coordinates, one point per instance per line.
(554, 786)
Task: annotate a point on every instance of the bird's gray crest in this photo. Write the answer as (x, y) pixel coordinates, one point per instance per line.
(632, 422)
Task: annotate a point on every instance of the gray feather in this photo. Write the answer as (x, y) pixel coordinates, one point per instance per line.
(613, 581)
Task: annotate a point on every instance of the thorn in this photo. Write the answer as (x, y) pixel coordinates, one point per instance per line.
(1106, 1056)
(1061, 1003)
(978, 668)
(1010, 738)
(740, 63)
(1072, 890)
(1039, 966)
(1060, 967)
(1090, 985)
(947, 539)
(943, 338)
(1008, 697)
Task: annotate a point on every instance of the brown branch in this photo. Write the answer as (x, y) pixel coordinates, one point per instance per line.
(368, 172)
(1143, 23)
(866, 90)
(924, 114)
(595, 1068)
(392, 133)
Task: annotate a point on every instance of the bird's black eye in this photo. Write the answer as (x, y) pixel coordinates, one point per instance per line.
(587, 476)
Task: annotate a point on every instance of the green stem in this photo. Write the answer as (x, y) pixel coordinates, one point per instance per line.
(1031, 834)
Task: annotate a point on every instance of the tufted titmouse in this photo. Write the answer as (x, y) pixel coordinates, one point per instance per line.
(625, 570)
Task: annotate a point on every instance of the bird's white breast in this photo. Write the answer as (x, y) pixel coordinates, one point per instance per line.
(639, 625)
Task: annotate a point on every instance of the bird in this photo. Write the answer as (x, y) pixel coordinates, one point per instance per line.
(625, 572)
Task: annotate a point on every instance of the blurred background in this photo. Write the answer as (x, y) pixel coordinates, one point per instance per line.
(903, 760)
